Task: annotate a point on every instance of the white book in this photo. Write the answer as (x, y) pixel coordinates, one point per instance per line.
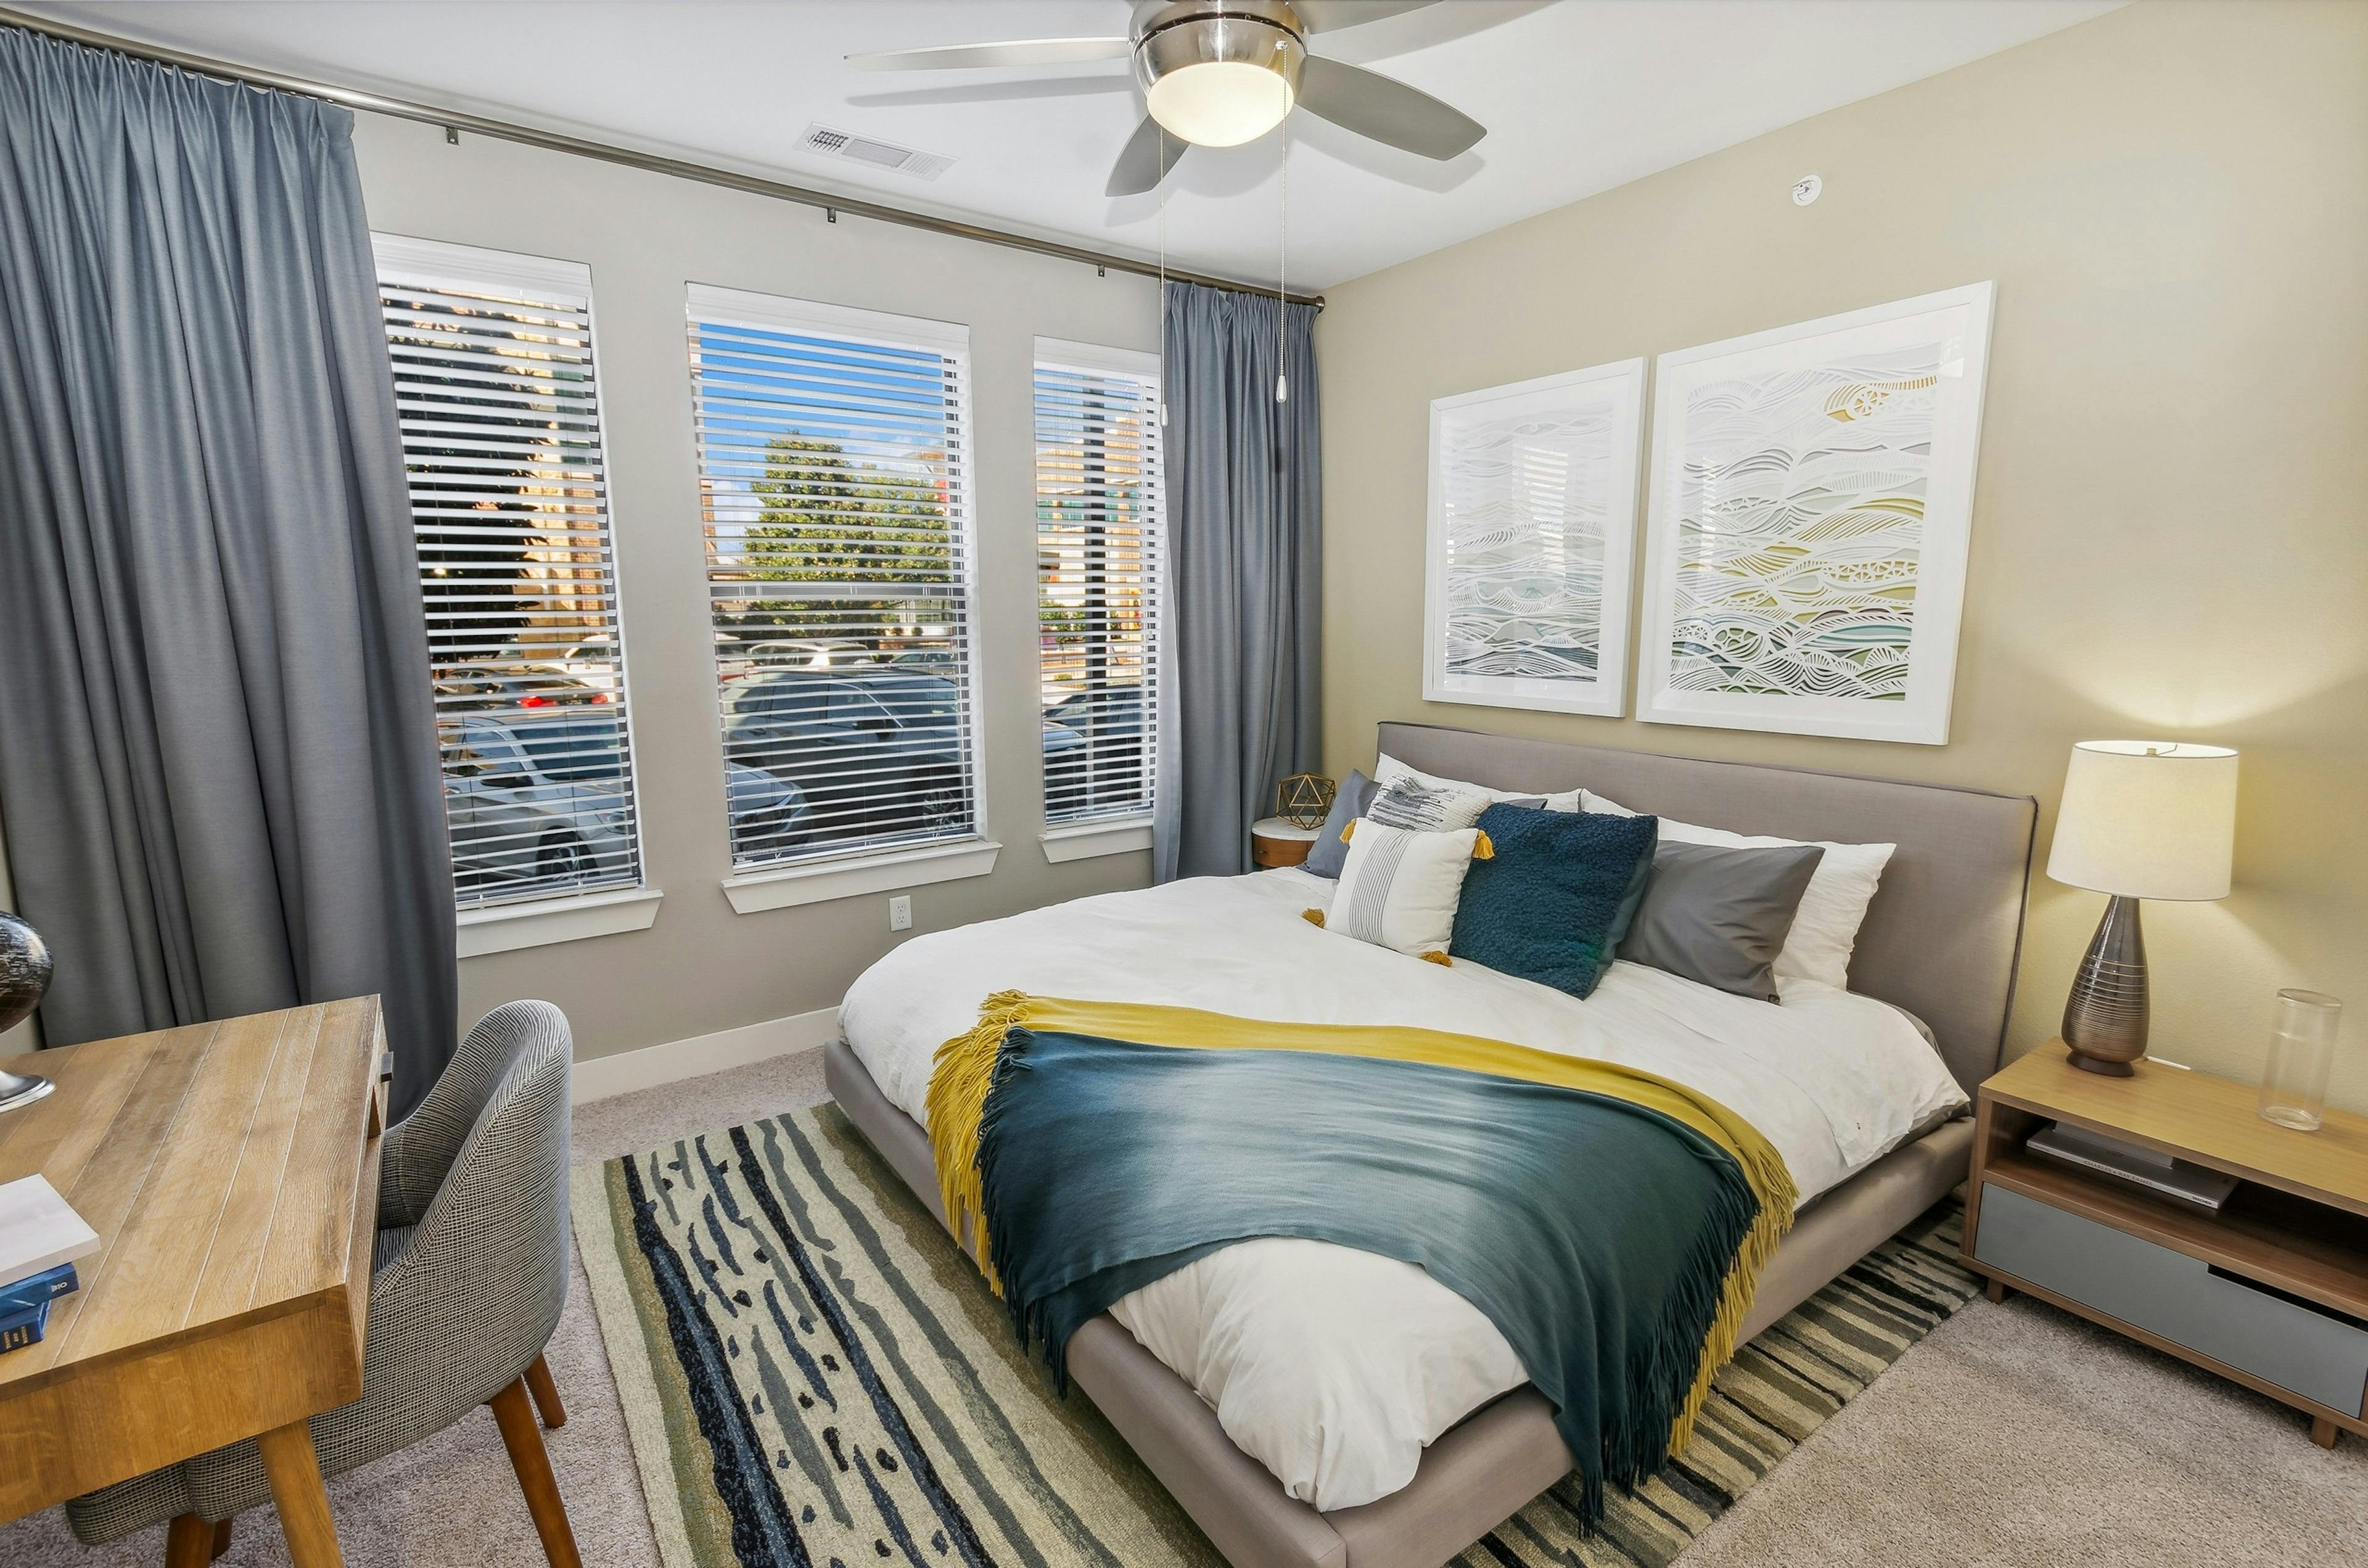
(39, 1230)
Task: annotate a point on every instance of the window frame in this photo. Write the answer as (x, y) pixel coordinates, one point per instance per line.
(498, 925)
(1067, 837)
(838, 872)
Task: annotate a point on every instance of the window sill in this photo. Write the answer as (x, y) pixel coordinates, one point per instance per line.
(1084, 840)
(506, 928)
(755, 892)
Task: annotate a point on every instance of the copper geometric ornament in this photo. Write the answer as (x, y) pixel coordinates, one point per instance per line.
(1304, 800)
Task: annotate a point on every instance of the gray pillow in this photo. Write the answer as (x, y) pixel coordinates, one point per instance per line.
(1720, 916)
(1329, 854)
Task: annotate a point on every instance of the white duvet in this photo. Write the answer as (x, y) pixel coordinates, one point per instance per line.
(1335, 1367)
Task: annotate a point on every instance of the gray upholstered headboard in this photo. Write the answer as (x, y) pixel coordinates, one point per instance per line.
(1946, 926)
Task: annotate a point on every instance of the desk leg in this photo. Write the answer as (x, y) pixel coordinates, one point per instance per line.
(294, 1471)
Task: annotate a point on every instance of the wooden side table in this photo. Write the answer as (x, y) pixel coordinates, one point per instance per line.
(1274, 842)
(230, 1170)
(2271, 1291)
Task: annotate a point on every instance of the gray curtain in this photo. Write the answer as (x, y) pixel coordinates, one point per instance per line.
(1238, 682)
(217, 732)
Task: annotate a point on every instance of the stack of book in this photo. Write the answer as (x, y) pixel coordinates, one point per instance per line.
(40, 1237)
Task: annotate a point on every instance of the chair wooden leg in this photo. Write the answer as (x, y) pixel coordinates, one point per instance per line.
(293, 1469)
(546, 1394)
(189, 1542)
(222, 1539)
(515, 1416)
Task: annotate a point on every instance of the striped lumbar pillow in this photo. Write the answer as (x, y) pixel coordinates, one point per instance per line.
(1399, 887)
(1428, 808)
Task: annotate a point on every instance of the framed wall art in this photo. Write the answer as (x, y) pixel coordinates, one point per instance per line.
(1813, 496)
(1531, 541)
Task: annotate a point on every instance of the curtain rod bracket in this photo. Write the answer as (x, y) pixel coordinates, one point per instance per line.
(452, 136)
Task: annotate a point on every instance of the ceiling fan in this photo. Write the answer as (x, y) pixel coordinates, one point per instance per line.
(1219, 73)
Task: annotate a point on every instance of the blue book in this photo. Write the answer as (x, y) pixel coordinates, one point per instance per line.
(47, 1286)
(20, 1329)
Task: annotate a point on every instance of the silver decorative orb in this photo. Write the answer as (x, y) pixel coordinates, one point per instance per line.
(25, 969)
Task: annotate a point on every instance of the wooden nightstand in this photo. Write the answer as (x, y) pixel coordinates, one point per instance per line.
(2272, 1291)
(1274, 842)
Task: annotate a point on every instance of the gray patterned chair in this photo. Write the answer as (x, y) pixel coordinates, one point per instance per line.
(466, 1287)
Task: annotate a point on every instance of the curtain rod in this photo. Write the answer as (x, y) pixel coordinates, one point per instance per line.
(610, 153)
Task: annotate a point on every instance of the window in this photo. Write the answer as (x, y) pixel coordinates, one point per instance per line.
(501, 437)
(833, 463)
(1099, 531)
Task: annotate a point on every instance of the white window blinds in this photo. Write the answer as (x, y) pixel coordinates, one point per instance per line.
(1098, 536)
(501, 437)
(833, 460)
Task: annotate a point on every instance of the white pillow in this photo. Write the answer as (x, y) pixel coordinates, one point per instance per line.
(1825, 929)
(1389, 770)
(1398, 888)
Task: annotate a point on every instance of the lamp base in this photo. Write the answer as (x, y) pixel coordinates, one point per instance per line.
(2105, 1016)
(16, 1091)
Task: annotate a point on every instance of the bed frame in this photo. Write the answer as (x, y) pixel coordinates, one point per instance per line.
(1941, 940)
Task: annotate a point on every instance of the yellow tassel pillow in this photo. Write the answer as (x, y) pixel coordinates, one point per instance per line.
(1399, 887)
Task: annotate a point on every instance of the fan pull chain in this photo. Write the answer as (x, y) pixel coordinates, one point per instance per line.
(1282, 274)
(1163, 275)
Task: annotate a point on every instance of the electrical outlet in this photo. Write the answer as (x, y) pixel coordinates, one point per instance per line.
(900, 913)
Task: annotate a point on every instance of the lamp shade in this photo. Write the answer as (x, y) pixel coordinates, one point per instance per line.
(2147, 819)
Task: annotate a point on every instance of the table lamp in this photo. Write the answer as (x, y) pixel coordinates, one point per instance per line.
(2140, 819)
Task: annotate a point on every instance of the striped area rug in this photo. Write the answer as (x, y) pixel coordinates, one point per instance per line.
(812, 1375)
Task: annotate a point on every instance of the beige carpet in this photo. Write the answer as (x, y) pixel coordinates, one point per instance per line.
(2014, 1435)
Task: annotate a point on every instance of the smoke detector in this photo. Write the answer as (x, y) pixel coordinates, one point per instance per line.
(870, 150)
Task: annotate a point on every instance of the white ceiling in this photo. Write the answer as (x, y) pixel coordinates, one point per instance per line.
(1579, 95)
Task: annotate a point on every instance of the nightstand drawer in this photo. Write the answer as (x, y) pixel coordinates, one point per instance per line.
(2315, 1355)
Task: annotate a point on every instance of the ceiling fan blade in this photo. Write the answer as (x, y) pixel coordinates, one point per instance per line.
(1386, 109)
(1146, 161)
(1331, 16)
(1021, 51)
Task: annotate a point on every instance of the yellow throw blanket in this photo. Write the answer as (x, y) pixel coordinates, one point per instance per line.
(965, 1066)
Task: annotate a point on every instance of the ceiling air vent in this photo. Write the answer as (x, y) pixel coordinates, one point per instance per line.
(879, 154)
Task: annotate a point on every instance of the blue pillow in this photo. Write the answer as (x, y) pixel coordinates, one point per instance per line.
(1328, 853)
(1554, 900)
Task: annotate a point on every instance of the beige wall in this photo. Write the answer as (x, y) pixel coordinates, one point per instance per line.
(2170, 532)
(703, 968)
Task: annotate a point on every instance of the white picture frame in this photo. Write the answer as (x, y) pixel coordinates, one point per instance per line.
(1829, 606)
(1531, 541)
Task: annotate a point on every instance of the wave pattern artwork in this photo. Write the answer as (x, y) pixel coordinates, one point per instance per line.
(1527, 504)
(1799, 528)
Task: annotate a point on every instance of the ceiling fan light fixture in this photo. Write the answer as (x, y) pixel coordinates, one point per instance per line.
(1220, 81)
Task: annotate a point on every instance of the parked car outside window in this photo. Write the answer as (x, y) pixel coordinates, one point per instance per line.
(538, 802)
(876, 751)
(1105, 769)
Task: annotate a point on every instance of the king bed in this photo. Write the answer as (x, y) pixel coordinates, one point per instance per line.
(1311, 1404)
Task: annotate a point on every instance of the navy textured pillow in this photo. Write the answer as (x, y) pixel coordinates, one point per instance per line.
(1557, 896)
(1329, 853)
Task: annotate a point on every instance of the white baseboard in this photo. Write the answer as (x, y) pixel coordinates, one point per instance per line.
(603, 1077)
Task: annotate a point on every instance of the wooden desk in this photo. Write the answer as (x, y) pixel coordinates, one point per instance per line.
(230, 1170)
